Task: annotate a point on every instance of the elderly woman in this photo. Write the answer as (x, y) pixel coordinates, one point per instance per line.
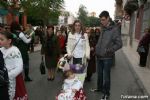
(145, 41)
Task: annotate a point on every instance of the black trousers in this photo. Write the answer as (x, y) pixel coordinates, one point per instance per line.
(4, 93)
(143, 59)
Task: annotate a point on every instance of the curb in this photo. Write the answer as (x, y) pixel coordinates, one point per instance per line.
(137, 79)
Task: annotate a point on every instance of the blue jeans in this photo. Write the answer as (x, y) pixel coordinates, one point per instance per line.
(103, 74)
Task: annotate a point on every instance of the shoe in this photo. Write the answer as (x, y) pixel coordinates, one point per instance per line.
(87, 79)
(27, 79)
(105, 97)
(52, 79)
(49, 79)
(96, 90)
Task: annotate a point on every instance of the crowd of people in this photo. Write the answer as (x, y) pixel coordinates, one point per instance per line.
(93, 48)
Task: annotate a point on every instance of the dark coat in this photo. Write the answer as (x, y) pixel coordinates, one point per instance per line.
(109, 42)
(3, 89)
(51, 50)
(145, 41)
(92, 63)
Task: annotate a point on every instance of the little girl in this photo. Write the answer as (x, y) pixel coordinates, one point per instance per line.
(72, 88)
(14, 64)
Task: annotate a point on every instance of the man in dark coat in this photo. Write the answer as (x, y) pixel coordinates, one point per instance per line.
(109, 42)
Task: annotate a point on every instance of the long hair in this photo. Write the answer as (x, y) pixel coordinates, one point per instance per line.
(73, 27)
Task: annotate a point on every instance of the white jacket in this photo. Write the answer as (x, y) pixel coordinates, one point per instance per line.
(14, 65)
(71, 44)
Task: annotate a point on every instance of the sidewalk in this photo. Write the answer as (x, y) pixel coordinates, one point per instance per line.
(142, 74)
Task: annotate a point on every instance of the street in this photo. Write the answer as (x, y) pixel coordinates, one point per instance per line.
(123, 82)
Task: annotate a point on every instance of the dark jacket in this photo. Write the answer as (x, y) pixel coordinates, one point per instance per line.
(3, 87)
(50, 46)
(109, 42)
(145, 41)
(23, 48)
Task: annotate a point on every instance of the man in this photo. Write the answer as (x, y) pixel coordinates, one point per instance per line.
(109, 42)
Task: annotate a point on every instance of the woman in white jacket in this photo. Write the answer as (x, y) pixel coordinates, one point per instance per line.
(13, 61)
(78, 48)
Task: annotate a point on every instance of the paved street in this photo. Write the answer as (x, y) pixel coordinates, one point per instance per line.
(123, 81)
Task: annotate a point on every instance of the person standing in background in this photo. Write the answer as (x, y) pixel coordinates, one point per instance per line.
(22, 44)
(91, 63)
(145, 42)
(50, 48)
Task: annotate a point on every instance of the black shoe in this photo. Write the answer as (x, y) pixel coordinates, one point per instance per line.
(105, 97)
(87, 79)
(49, 79)
(27, 79)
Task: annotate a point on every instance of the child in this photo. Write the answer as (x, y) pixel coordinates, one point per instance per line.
(14, 64)
(72, 88)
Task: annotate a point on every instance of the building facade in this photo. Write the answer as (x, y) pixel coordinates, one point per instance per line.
(136, 18)
(13, 12)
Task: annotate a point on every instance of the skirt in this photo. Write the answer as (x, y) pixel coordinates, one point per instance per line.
(21, 93)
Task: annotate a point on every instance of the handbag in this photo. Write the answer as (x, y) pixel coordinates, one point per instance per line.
(140, 49)
(63, 61)
(42, 67)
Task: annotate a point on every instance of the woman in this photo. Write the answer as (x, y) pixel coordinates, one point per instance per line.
(145, 41)
(14, 65)
(61, 39)
(78, 48)
(22, 43)
(51, 50)
(91, 64)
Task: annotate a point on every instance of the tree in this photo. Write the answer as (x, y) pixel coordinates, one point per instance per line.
(93, 21)
(82, 15)
(46, 11)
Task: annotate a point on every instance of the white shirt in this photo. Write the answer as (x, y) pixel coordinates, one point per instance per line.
(24, 38)
(78, 51)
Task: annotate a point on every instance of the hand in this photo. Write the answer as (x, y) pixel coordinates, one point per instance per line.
(74, 90)
(92, 48)
(69, 56)
(109, 50)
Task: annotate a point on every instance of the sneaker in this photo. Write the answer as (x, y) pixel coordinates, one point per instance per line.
(105, 97)
(87, 79)
(27, 79)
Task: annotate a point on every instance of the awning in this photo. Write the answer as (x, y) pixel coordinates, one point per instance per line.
(3, 12)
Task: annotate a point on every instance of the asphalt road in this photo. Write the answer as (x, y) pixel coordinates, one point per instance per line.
(123, 83)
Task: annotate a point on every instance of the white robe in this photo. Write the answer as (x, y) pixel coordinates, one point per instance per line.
(68, 85)
(14, 65)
